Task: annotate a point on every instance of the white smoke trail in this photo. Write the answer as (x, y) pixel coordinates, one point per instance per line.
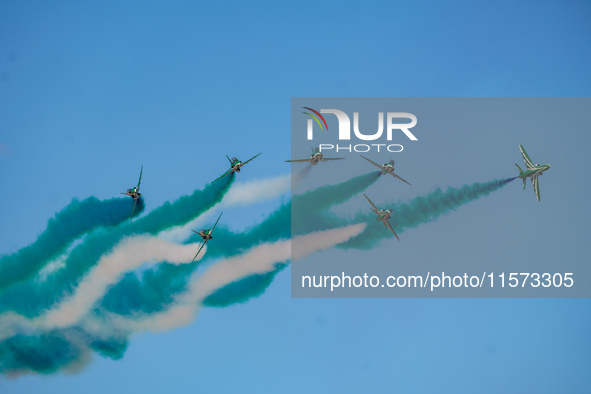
(239, 194)
(258, 260)
(127, 255)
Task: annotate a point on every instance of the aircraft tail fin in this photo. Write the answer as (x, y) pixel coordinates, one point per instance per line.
(524, 179)
(520, 170)
(231, 160)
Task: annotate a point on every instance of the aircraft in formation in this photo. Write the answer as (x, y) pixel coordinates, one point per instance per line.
(205, 235)
(135, 194)
(387, 168)
(533, 171)
(383, 216)
(315, 158)
(235, 165)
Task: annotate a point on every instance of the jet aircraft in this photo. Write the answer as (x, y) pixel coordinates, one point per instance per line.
(383, 216)
(387, 168)
(235, 165)
(315, 157)
(532, 171)
(135, 194)
(205, 235)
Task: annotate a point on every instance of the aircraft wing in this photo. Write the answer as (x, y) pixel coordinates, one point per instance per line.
(216, 223)
(299, 161)
(374, 163)
(373, 207)
(394, 175)
(528, 163)
(223, 175)
(387, 224)
(534, 182)
(201, 247)
(139, 180)
(133, 209)
(329, 159)
(251, 159)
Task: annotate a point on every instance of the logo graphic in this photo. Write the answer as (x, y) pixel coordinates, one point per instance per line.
(315, 118)
(344, 131)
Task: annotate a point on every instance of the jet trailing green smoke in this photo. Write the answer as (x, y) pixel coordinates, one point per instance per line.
(31, 297)
(420, 210)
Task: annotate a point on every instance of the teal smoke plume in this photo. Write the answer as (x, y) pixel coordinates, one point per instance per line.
(47, 351)
(405, 215)
(29, 298)
(418, 211)
(75, 220)
(157, 287)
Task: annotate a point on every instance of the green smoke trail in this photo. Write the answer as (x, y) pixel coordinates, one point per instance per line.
(158, 287)
(29, 298)
(54, 350)
(244, 289)
(420, 210)
(75, 220)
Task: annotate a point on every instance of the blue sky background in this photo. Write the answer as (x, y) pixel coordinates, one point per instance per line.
(89, 93)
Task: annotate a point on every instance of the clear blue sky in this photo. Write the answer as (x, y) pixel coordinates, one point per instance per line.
(89, 93)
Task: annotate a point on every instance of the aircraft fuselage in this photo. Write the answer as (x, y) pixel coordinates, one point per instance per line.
(236, 166)
(133, 193)
(387, 168)
(384, 215)
(205, 235)
(315, 158)
(538, 171)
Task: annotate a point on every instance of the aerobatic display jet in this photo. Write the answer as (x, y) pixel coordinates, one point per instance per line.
(315, 157)
(235, 165)
(387, 168)
(532, 172)
(383, 216)
(135, 194)
(205, 235)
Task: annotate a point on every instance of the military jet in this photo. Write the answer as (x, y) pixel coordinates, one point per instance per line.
(532, 172)
(235, 165)
(383, 216)
(135, 194)
(205, 236)
(315, 157)
(387, 168)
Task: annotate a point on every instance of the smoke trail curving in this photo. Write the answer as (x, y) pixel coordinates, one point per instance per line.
(420, 210)
(30, 298)
(56, 323)
(75, 220)
(155, 289)
(257, 260)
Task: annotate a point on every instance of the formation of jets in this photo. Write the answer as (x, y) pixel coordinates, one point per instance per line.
(533, 171)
